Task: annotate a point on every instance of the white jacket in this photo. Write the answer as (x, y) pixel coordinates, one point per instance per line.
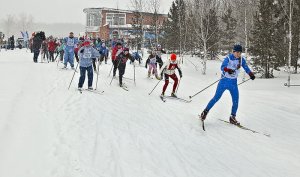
(169, 67)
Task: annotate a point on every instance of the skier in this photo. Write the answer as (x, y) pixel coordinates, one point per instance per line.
(169, 70)
(44, 50)
(115, 52)
(137, 57)
(152, 62)
(230, 70)
(76, 49)
(36, 44)
(70, 43)
(104, 53)
(51, 47)
(121, 59)
(86, 55)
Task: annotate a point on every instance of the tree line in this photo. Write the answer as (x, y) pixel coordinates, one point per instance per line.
(269, 30)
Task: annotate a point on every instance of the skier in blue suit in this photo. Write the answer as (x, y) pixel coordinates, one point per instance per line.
(103, 52)
(70, 44)
(230, 69)
(86, 55)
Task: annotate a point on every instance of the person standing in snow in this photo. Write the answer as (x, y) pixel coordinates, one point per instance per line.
(51, 47)
(103, 52)
(118, 49)
(86, 55)
(76, 49)
(44, 50)
(70, 44)
(230, 69)
(121, 59)
(152, 63)
(36, 44)
(169, 70)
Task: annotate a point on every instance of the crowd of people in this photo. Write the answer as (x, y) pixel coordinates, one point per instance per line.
(87, 52)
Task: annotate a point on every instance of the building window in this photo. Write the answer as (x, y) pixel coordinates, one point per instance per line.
(93, 19)
(116, 18)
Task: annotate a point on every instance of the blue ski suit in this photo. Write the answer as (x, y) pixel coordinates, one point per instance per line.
(229, 81)
(70, 44)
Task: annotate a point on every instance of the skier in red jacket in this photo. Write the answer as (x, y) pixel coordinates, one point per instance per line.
(117, 50)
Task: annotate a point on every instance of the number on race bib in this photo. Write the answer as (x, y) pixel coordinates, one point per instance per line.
(70, 42)
(87, 55)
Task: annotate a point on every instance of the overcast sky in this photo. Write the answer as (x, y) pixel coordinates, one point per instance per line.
(62, 11)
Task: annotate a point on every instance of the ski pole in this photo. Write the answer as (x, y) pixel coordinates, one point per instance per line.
(97, 74)
(134, 73)
(113, 76)
(73, 76)
(244, 81)
(178, 85)
(57, 61)
(155, 86)
(111, 68)
(205, 88)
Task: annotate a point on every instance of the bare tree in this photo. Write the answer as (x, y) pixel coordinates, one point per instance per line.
(154, 7)
(25, 22)
(9, 24)
(201, 10)
(138, 21)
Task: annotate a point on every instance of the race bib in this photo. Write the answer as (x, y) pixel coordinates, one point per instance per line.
(70, 42)
(152, 60)
(87, 54)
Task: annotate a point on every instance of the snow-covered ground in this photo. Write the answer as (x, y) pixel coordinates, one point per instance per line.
(50, 131)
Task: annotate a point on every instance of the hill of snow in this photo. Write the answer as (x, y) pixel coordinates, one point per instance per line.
(50, 131)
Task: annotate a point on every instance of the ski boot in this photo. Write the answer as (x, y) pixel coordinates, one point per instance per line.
(90, 88)
(158, 78)
(232, 120)
(149, 74)
(203, 115)
(173, 95)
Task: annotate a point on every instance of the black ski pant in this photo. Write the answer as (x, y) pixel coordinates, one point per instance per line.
(36, 55)
(103, 57)
(51, 53)
(121, 69)
(115, 63)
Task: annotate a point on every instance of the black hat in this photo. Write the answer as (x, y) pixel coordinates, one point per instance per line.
(237, 48)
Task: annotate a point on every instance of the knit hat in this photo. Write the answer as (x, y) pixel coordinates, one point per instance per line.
(237, 48)
(173, 57)
(87, 42)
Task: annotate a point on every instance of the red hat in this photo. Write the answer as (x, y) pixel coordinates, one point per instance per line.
(87, 42)
(173, 57)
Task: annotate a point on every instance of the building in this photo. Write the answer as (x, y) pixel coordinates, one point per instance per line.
(108, 23)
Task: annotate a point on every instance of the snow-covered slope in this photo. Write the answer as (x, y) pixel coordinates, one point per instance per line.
(50, 131)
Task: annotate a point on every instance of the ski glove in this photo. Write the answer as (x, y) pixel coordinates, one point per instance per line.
(230, 71)
(180, 73)
(82, 51)
(252, 76)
